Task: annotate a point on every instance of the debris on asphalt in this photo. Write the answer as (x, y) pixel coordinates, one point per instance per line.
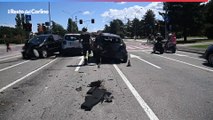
(78, 89)
(95, 84)
(95, 95)
(15, 87)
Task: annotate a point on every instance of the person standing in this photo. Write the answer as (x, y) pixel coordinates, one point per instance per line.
(86, 41)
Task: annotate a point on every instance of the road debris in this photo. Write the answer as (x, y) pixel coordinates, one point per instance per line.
(95, 95)
(78, 89)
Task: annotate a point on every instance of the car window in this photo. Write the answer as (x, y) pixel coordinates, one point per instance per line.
(72, 37)
(37, 40)
(108, 39)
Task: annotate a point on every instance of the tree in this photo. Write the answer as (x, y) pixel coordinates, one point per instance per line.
(183, 17)
(58, 29)
(149, 22)
(136, 28)
(116, 27)
(209, 19)
(72, 26)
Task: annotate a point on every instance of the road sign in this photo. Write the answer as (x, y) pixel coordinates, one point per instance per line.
(28, 17)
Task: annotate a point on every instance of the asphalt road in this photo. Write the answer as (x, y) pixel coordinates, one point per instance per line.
(156, 87)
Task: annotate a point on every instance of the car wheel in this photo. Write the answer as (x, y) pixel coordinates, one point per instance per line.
(210, 59)
(35, 52)
(44, 54)
(24, 56)
(173, 50)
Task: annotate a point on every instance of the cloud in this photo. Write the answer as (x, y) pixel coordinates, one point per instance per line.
(132, 12)
(86, 12)
(121, 3)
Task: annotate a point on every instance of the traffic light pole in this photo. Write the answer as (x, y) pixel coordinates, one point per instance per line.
(50, 27)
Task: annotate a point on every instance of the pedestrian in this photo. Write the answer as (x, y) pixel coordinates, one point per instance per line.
(8, 46)
(86, 42)
(98, 49)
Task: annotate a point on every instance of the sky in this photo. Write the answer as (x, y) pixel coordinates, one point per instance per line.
(102, 12)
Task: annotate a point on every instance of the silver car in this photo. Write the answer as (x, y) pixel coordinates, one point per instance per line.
(71, 44)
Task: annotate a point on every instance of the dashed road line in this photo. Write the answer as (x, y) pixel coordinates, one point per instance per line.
(29, 74)
(10, 58)
(80, 63)
(203, 68)
(134, 56)
(13, 66)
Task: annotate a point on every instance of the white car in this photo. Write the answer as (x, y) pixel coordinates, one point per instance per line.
(71, 44)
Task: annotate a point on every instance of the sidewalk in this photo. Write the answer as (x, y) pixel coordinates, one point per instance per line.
(187, 48)
(15, 49)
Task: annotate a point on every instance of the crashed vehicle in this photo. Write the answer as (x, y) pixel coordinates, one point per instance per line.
(42, 46)
(112, 47)
(71, 44)
(209, 54)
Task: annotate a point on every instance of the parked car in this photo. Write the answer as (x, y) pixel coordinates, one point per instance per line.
(209, 54)
(42, 46)
(113, 47)
(71, 44)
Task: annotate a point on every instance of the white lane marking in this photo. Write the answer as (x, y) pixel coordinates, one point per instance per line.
(203, 68)
(80, 63)
(9, 55)
(9, 58)
(135, 56)
(140, 100)
(189, 57)
(22, 78)
(140, 50)
(187, 52)
(180, 55)
(13, 66)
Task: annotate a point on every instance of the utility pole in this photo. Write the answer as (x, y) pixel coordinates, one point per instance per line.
(50, 27)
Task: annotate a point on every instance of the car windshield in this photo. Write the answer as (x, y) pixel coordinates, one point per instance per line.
(107, 39)
(37, 40)
(72, 37)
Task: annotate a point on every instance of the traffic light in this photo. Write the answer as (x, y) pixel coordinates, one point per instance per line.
(92, 20)
(81, 21)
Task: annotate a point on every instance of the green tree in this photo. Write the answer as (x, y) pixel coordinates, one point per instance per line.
(72, 26)
(183, 17)
(149, 22)
(116, 27)
(136, 28)
(58, 29)
(209, 19)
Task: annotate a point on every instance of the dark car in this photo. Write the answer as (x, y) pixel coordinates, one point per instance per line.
(209, 54)
(112, 47)
(42, 46)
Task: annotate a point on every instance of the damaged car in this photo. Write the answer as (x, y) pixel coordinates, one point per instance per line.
(112, 47)
(42, 46)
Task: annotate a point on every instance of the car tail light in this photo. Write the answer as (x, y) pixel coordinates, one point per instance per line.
(64, 42)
